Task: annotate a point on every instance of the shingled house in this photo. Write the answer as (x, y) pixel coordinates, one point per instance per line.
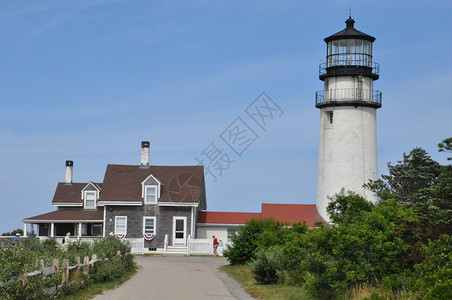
(133, 201)
(156, 207)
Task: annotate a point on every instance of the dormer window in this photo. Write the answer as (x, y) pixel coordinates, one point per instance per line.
(151, 189)
(90, 199)
(90, 194)
(150, 196)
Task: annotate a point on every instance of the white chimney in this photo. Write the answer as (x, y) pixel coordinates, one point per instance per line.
(69, 167)
(145, 154)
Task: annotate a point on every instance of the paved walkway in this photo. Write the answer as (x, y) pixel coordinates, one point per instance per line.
(178, 277)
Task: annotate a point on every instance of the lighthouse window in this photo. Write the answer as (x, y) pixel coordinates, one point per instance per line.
(349, 52)
(330, 116)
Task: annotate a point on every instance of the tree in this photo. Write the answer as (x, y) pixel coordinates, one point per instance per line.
(415, 172)
(423, 185)
(347, 208)
(257, 233)
(364, 251)
(18, 230)
(446, 146)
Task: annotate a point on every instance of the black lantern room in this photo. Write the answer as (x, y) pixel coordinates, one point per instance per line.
(349, 52)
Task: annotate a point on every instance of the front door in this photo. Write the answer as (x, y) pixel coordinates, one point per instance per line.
(179, 230)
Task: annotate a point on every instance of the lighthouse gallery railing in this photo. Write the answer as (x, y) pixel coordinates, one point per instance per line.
(348, 95)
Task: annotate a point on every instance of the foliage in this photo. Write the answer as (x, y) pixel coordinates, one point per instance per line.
(12, 233)
(415, 172)
(425, 186)
(15, 261)
(351, 254)
(446, 146)
(245, 277)
(396, 249)
(268, 264)
(108, 247)
(107, 270)
(256, 233)
(347, 207)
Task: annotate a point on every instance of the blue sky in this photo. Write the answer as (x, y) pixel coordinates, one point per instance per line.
(89, 80)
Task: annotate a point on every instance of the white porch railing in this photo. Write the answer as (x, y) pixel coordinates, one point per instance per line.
(194, 246)
(137, 245)
(199, 246)
(204, 246)
(165, 243)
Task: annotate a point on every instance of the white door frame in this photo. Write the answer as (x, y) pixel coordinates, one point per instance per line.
(180, 241)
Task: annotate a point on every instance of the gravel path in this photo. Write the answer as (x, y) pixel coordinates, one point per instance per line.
(178, 277)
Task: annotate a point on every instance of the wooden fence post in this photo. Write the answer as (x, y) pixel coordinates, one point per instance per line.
(77, 270)
(86, 262)
(24, 279)
(65, 276)
(56, 264)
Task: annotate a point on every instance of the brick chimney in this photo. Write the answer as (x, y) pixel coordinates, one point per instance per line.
(145, 154)
(69, 167)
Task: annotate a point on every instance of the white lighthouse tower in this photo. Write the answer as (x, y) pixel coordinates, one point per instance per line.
(348, 105)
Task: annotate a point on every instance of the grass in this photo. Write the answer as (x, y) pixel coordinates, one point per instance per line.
(92, 290)
(244, 276)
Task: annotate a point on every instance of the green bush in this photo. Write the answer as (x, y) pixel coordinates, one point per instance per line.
(268, 265)
(15, 261)
(399, 248)
(255, 235)
(108, 247)
(108, 270)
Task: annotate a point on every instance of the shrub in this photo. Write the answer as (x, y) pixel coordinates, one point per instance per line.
(255, 235)
(268, 265)
(108, 270)
(352, 254)
(17, 260)
(107, 247)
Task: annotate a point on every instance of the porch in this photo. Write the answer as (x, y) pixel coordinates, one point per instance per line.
(59, 223)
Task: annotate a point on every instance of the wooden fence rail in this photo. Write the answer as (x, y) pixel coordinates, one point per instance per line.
(65, 268)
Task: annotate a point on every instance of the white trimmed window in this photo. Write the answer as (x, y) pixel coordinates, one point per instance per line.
(150, 194)
(90, 200)
(97, 229)
(149, 225)
(120, 225)
(83, 232)
(231, 233)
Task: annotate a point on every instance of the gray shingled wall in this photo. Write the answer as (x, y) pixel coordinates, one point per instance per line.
(164, 219)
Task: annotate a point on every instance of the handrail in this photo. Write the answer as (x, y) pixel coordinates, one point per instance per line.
(165, 243)
(348, 95)
(353, 65)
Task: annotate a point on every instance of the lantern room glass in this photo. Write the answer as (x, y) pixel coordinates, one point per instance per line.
(349, 52)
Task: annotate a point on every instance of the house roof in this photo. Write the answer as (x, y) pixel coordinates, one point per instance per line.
(291, 213)
(220, 217)
(180, 184)
(70, 193)
(61, 216)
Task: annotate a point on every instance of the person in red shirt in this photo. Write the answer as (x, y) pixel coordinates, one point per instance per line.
(215, 245)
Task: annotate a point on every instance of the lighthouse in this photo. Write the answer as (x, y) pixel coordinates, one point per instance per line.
(348, 105)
